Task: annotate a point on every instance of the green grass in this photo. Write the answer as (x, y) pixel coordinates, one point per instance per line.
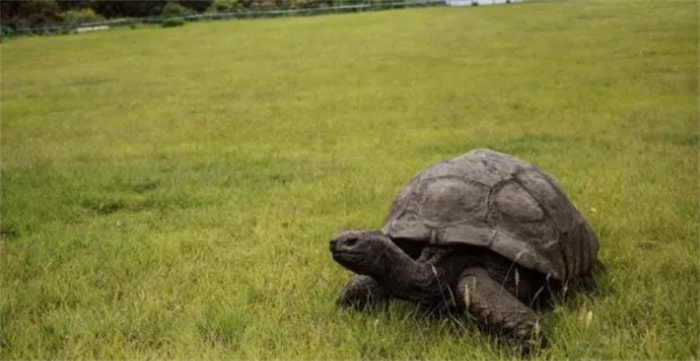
(169, 193)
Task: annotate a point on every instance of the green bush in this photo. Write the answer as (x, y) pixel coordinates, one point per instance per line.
(29, 13)
(75, 17)
(224, 6)
(172, 22)
(7, 31)
(175, 9)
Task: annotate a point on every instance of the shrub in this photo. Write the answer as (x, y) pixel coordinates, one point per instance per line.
(174, 9)
(224, 6)
(28, 13)
(172, 22)
(75, 17)
(7, 31)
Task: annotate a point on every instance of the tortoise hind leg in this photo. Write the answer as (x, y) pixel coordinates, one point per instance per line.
(498, 310)
(363, 293)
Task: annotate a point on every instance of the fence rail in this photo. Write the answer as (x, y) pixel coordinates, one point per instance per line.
(243, 14)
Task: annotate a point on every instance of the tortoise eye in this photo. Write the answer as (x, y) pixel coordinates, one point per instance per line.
(350, 242)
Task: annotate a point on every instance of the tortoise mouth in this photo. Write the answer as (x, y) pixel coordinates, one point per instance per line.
(350, 260)
(343, 256)
(353, 260)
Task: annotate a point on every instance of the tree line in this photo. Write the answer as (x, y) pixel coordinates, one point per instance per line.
(32, 13)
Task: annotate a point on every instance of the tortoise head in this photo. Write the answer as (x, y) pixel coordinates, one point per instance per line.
(361, 251)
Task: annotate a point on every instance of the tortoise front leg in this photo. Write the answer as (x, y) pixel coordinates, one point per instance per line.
(363, 292)
(497, 309)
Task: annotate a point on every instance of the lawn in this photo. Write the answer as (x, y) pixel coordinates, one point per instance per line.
(170, 193)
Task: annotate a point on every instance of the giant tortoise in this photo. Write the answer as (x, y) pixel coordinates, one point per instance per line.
(484, 232)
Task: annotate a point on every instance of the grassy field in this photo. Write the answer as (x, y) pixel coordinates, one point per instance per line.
(170, 193)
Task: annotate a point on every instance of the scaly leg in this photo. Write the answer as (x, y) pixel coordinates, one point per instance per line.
(497, 309)
(363, 292)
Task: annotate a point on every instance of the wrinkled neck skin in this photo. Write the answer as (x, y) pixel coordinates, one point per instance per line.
(407, 279)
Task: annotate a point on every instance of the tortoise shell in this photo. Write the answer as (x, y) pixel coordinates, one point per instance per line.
(490, 199)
